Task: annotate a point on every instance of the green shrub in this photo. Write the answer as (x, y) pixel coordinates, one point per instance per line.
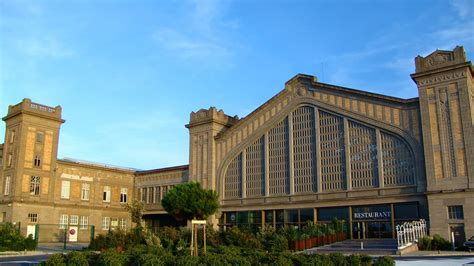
(385, 261)
(150, 260)
(77, 258)
(354, 260)
(439, 243)
(186, 260)
(272, 241)
(112, 257)
(10, 239)
(366, 260)
(240, 238)
(424, 243)
(338, 259)
(56, 260)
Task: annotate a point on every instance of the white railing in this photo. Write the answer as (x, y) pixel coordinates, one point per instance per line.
(409, 232)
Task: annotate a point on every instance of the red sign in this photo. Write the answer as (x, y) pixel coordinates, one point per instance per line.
(72, 231)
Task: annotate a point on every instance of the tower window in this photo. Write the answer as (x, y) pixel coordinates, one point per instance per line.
(37, 160)
(39, 137)
(35, 182)
(12, 136)
(10, 160)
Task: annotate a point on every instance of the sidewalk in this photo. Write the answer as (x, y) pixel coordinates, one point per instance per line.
(46, 248)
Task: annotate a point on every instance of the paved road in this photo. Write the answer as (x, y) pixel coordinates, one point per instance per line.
(434, 261)
(23, 260)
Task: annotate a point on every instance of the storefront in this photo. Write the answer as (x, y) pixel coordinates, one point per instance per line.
(367, 221)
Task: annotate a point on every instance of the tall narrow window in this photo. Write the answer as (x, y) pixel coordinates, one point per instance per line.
(150, 195)
(105, 223)
(114, 223)
(10, 160)
(39, 137)
(123, 195)
(8, 181)
(12, 136)
(63, 221)
(37, 160)
(123, 223)
(157, 198)
(143, 194)
(35, 182)
(106, 195)
(84, 222)
(65, 188)
(85, 191)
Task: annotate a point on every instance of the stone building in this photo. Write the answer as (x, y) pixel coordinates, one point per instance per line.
(313, 152)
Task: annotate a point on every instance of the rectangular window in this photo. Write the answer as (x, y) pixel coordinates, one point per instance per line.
(33, 217)
(105, 223)
(84, 222)
(10, 160)
(123, 223)
(123, 195)
(8, 181)
(114, 223)
(455, 212)
(74, 220)
(85, 191)
(12, 136)
(39, 137)
(150, 195)
(143, 194)
(157, 198)
(63, 221)
(106, 195)
(35, 182)
(65, 188)
(37, 160)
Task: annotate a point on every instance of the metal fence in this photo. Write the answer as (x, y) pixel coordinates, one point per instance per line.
(410, 232)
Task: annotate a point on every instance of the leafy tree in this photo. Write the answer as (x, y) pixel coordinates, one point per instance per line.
(135, 208)
(190, 201)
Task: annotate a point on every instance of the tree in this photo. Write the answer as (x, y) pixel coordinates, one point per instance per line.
(136, 208)
(190, 201)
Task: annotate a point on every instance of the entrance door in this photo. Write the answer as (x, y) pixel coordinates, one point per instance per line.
(459, 235)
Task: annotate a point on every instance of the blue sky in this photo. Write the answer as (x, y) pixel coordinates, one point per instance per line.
(128, 73)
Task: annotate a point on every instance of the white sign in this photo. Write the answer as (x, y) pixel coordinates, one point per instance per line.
(73, 233)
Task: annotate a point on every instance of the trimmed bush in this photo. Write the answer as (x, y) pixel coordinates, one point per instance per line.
(57, 259)
(112, 257)
(11, 240)
(424, 243)
(385, 261)
(354, 260)
(77, 258)
(366, 260)
(338, 259)
(439, 243)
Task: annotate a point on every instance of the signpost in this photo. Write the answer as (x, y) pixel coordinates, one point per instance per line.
(194, 236)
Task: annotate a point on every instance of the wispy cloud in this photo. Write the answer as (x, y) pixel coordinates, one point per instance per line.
(204, 36)
(44, 47)
(464, 8)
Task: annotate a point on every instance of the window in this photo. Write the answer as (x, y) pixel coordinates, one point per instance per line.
(455, 212)
(123, 195)
(10, 160)
(37, 160)
(114, 223)
(149, 195)
(6, 190)
(74, 219)
(85, 191)
(105, 223)
(35, 182)
(12, 136)
(84, 222)
(33, 217)
(65, 188)
(63, 221)
(157, 198)
(39, 137)
(106, 195)
(143, 194)
(123, 223)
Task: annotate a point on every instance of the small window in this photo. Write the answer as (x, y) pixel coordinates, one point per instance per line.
(35, 182)
(114, 223)
(106, 195)
(10, 160)
(65, 188)
(123, 195)
(143, 194)
(150, 195)
(37, 160)
(74, 219)
(84, 222)
(105, 223)
(123, 223)
(33, 217)
(39, 137)
(455, 212)
(63, 221)
(85, 191)
(12, 136)
(157, 198)
(6, 190)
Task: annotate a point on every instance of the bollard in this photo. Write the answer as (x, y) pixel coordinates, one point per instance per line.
(361, 245)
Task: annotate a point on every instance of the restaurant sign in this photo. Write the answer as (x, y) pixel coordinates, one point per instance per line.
(371, 213)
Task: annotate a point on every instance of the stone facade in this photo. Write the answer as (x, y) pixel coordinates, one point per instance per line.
(314, 151)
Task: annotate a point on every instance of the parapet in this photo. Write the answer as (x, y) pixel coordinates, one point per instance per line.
(204, 116)
(27, 106)
(440, 59)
